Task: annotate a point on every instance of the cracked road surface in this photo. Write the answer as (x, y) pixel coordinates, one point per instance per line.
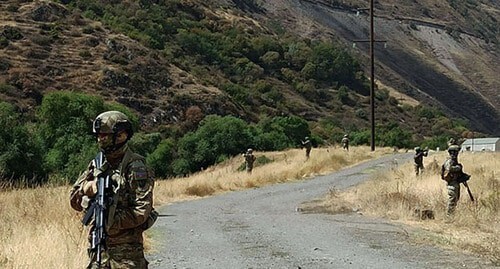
(262, 228)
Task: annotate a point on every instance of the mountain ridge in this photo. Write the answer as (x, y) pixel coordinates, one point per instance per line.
(415, 45)
(121, 69)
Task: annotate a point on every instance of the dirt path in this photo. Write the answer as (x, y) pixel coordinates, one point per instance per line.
(262, 228)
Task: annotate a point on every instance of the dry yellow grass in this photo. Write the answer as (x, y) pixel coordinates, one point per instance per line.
(396, 194)
(39, 229)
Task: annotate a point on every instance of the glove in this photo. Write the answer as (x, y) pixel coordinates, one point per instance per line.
(90, 188)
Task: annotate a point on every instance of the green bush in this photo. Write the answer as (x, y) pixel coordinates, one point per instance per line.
(85, 54)
(273, 140)
(20, 156)
(343, 94)
(291, 129)
(439, 141)
(4, 42)
(360, 137)
(144, 143)
(161, 159)
(238, 92)
(215, 139)
(396, 137)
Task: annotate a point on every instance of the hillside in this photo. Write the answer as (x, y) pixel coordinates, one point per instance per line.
(53, 49)
(48, 47)
(442, 53)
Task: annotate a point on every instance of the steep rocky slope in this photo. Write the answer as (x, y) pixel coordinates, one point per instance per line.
(431, 53)
(45, 47)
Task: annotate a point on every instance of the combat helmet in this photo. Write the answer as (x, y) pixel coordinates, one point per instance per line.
(453, 149)
(112, 122)
(249, 150)
(418, 149)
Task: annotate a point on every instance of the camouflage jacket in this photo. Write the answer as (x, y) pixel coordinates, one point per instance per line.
(132, 201)
(451, 170)
(307, 144)
(249, 158)
(419, 157)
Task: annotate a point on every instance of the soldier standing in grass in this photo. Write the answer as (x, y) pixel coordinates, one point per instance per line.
(451, 171)
(345, 142)
(307, 144)
(419, 159)
(249, 160)
(131, 210)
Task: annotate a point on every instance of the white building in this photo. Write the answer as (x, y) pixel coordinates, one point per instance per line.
(481, 144)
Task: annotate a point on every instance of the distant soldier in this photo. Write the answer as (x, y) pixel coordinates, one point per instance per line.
(419, 159)
(345, 142)
(249, 160)
(307, 144)
(452, 173)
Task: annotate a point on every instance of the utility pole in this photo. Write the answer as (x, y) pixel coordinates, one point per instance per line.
(372, 75)
(372, 72)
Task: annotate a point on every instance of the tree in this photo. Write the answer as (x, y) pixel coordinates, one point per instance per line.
(215, 139)
(20, 156)
(160, 160)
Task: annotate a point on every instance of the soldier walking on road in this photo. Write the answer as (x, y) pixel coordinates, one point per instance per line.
(419, 159)
(249, 160)
(307, 144)
(345, 142)
(130, 211)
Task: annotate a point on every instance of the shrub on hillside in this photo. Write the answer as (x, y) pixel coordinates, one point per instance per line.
(161, 159)
(20, 156)
(217, 136)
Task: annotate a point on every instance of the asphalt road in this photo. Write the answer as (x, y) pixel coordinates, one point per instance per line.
(262, 228)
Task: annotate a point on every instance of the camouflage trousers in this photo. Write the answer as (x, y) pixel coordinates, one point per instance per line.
(124, 256)
(453, 188)
(419, 168)
(308, 153)
(249, 168)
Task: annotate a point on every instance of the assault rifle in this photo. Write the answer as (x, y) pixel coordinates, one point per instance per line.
(98, 210)
(463, 179)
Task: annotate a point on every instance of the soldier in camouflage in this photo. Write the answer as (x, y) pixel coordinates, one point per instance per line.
(419, 159)
(451, 170)
(131, 211)
(345, 142)
(249, 160)
(307, 144)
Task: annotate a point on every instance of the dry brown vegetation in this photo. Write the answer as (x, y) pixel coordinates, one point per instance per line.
(399, 195)
(40, 230)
